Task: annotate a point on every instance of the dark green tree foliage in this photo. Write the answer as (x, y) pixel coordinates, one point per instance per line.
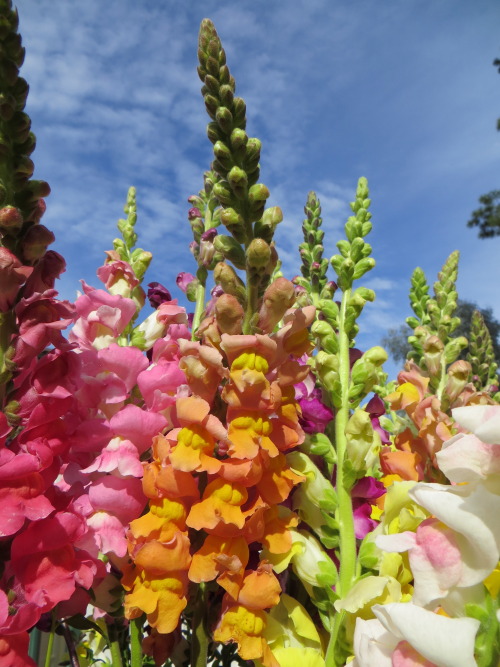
(396, 341)
(487, 216)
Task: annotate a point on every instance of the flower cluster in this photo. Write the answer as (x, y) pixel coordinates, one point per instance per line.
(239, 484)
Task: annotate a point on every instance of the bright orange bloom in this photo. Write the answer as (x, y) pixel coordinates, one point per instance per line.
(162, 598)
(260, 589)
(221, 504)
(249, 431)
(196, 439)
(221, 558)
(270, 526)
(277, 480)
(164, 519)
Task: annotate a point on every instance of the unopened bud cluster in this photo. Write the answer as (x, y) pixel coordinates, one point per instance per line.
(314, 266)
(21, 198)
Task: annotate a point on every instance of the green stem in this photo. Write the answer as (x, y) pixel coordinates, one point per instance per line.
(346, 518)
(252, 302)
(201, 289)
(114, 645)
(199, 308)
(344, 512)
(50, 644)
(135, 641)
(199, 644)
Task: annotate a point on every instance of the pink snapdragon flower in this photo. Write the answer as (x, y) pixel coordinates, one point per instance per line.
(102, 317)
(405, 635)
(12, 275)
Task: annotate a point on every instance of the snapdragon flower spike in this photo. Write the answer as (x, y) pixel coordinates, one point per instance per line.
(433, 347)
(21, 203)
(241, 198)
(314, 265)
(481, 355)
(244, 477)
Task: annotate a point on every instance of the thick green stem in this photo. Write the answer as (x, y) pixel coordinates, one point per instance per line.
(345, 515)
(345, 512)
(135, 642)
(199, 641)
(114, 645)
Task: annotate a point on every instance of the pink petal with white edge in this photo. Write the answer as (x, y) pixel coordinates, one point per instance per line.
(436, 562)
(472, 511)
(446, 642)
(482, 420)
(465, 458)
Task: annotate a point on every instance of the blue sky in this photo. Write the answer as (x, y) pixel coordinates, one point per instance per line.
(400, 91)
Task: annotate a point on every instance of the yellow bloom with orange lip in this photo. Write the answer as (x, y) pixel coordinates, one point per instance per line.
(248, 383)
(161, 598)
(221, 558)
(249, 432)
(221, 504)
(164, 519)
(193, 444)
(245, 627)
(162, 480)
(194, 449)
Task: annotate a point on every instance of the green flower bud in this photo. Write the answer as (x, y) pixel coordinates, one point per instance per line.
(311, 563)
(224, 119)
(344, 247)
(237, 179)
(272, 216)
(239, 138)
(223, 193)
(223, 154)
(212, 84)
(327, 367)
(226, 95)
(231, 250)
(214, 132)
(239, 112)
(258, 193)
(211, 105)
(363, 266)
(231, 218)
(226, 277)
(140, 261)
(453, 348)
(191, 290)
(258, 255)
(252, 154)
(360, 440)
